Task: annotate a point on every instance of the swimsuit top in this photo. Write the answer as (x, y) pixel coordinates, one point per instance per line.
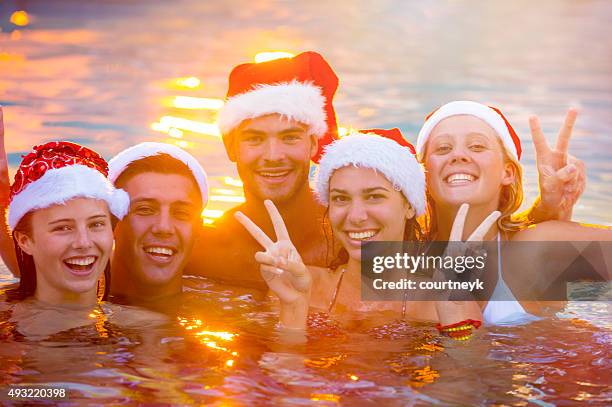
(509, 311)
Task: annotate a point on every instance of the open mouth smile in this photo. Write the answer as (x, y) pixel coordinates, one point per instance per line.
(364, 235)
(460, 178)
(274, 176)
(80, 265)
(160, 254)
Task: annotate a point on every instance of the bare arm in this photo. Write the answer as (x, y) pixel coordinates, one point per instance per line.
(7, 248)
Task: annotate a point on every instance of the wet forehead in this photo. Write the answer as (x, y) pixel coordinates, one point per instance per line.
(162, 188)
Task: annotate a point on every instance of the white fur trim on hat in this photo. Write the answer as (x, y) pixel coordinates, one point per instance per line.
(395, 162)
(120, 162)
(59, 185)
(490, 116)
(302, 102)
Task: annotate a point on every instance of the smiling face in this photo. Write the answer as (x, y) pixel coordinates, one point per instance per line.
(272, 155)
(465, 163)
(363, 206)
(155, 239)
(71, 245)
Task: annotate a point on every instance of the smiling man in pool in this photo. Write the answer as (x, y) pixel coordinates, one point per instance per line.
(277, 118)
(168, 190)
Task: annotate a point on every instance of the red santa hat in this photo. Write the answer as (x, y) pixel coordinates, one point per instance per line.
(121, 161)
(57, 172)
(300, 88)
(386, 151)
(490, 115)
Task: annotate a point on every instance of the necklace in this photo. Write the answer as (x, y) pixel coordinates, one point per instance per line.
(336, 290)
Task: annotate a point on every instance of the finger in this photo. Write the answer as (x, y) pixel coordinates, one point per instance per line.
(277, 221)
(567, 173)
(254, 230)
(484, 227)
(456, 233)
(266, 258)
(566, 131)
(271, 269)
(539, 141)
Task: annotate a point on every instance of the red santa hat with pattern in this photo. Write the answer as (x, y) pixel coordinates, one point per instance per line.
(56, 172)
(490, 115)
(121, 161)
(301, 88)
(385, 151)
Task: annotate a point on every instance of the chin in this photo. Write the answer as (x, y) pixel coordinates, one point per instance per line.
(157, 276)
(82, 286)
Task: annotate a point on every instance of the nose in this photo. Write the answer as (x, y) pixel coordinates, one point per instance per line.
(459, 155)
(163, 223)
(357, 213)
(274, 150)
(82, 239)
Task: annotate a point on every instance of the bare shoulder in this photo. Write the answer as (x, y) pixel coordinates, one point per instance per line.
(555, 230)
(130, 316)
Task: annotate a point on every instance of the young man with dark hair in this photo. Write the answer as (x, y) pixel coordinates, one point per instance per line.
(153, 243)
(278, 117)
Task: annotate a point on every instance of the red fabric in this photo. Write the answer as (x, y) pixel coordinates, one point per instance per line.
(394, 134)
(305, 67)
(56, 154)
(475, 323)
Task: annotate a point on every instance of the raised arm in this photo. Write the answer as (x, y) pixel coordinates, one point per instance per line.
(453, 312)
(282, 268)
(7, 248)
(561, 176)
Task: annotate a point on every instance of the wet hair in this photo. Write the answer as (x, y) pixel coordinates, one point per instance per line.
(160, 164)
(27, 268)
(510, 200)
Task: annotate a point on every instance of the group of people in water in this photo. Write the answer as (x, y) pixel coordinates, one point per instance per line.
(81, 230)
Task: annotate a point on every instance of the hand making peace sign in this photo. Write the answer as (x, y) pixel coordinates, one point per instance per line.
(280, 264)
(561, 176)
(459, 305)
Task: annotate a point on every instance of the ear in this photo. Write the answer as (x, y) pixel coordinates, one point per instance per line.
(314, 145)
(509, 174)
(229, 141)
(410, 212)
(24, 241)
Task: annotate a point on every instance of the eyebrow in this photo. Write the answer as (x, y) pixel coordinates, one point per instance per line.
(72, 219)
(366, 191)
(141, 200)
(293, 130)
(252, 132)
(183, 203)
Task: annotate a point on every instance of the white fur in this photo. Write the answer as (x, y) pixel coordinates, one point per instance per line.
(302, 102)
(395, 162)
(59, 185)
(490, 116)
(119, 163)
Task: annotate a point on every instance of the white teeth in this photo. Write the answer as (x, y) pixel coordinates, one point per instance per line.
(159, 250)
(81, 261)
(274, 174)
(361, 235)
(459, 178)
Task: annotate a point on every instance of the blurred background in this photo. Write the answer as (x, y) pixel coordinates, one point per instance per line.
(109, 74)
